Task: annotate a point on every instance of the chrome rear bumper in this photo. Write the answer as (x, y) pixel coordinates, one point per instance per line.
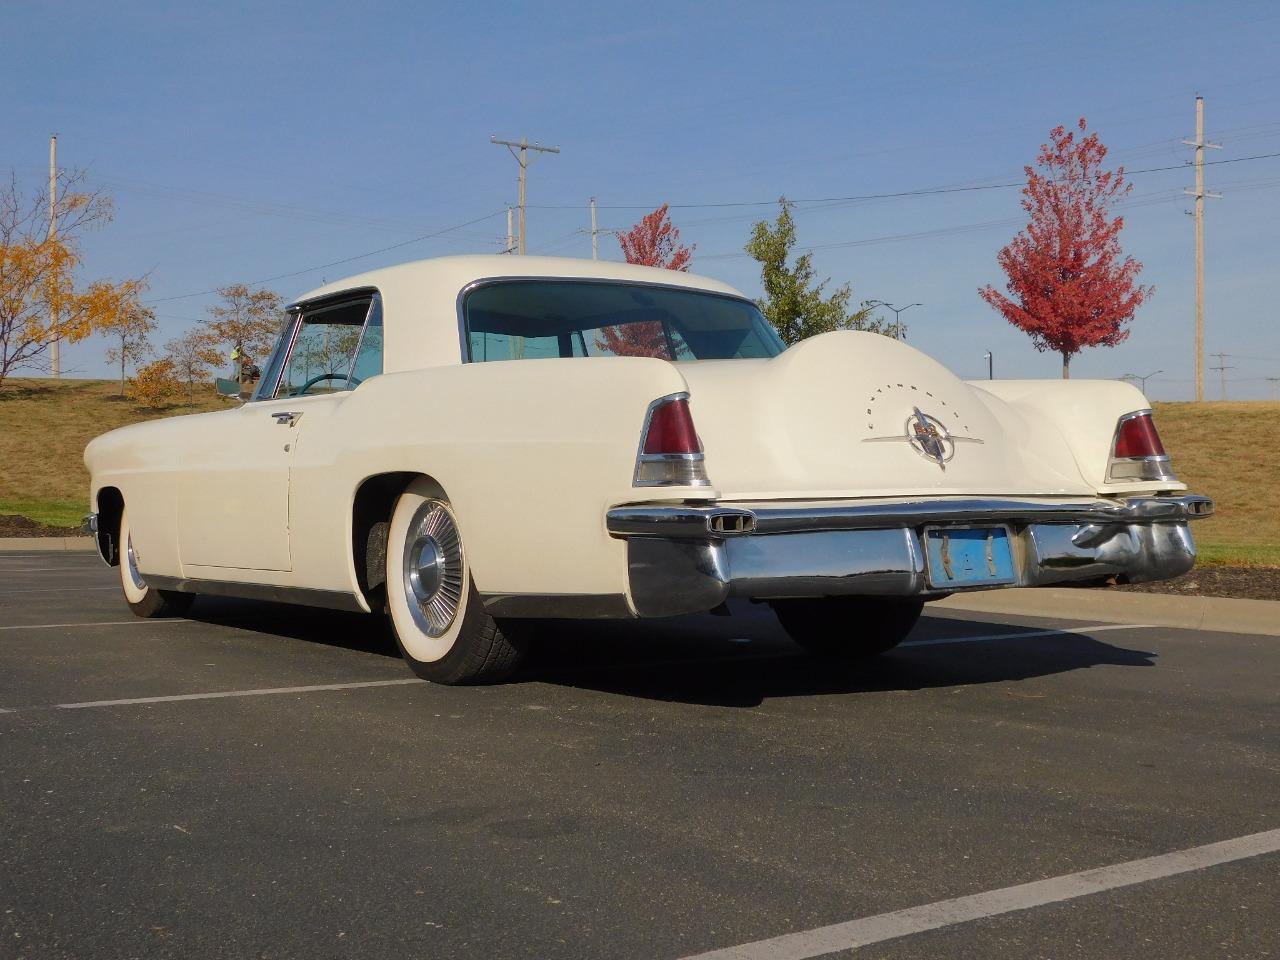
(688, 558)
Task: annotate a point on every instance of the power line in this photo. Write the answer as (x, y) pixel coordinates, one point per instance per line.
(925, 192)
(335, 263)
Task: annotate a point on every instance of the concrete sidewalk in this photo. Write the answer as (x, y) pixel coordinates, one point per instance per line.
(44, 544)
(1219, 614)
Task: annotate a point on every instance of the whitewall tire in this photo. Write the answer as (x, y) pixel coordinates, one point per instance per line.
(438, 619)
(145, 600)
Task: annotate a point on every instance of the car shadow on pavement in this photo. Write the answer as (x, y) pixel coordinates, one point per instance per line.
(700, 661)
(736, 661)
(334, 628)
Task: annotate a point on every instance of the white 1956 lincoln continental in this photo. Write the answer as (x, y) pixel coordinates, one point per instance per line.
(469, 442)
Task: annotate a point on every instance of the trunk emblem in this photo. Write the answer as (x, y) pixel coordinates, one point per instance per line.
(928, 436)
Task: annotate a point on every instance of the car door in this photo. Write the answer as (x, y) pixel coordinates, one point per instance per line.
(234, 496)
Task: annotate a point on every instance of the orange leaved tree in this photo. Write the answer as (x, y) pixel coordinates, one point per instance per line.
(41, 298)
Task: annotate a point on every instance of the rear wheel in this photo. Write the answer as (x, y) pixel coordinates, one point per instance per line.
(143, 599)
(440, 625)
(847, 628)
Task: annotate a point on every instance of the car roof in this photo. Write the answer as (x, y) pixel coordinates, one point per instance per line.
(457, 272)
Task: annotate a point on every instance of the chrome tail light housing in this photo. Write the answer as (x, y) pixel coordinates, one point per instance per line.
(670, 452)
(1136, 450)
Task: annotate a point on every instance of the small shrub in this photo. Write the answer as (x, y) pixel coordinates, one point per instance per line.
(155, 385)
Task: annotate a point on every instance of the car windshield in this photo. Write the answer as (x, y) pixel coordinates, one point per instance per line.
(531, 319)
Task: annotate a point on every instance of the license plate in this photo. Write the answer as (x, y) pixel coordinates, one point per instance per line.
(968, 556)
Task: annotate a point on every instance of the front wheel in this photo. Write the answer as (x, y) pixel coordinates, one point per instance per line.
(440, 625)
(847, 628)
(143, 599)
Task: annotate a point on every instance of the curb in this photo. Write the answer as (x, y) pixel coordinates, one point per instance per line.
(45, 544)
(1217, 614)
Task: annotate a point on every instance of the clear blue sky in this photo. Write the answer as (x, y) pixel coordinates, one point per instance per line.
(243, 140)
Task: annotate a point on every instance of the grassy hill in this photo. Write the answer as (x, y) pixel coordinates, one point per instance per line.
(45, 424)
(1220, 450)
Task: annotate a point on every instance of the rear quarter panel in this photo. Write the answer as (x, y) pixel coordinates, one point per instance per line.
(530, 453)
(1084, 413)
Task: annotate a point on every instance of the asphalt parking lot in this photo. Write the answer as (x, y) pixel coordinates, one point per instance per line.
(268, 781)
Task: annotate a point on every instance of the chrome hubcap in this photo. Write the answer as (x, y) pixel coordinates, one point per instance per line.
(433, 568)
(132, 562)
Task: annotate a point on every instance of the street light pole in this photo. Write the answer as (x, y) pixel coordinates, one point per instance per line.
(1142, 379)
(991, 364)
(897, 312)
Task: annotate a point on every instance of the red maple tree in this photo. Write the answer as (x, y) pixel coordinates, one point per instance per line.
(653, 242)
(1070, 285)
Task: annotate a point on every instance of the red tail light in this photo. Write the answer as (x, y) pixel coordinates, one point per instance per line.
(671, 429)
(1137, 453)
(670, 451)
(1137, 437)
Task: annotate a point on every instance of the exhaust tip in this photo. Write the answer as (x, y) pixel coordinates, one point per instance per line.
(732, 523)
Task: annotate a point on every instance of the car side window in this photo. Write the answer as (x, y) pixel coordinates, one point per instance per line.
(335, 346)
(368, 362)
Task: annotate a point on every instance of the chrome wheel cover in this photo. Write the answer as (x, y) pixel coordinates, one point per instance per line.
(432, 566)
(131, 562)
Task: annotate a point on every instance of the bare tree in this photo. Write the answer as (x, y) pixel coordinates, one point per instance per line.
(193, 356)
(130, 335)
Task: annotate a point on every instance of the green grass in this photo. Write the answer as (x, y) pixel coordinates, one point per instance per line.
(52, 513)
(1218, 449)
(44, 427)
(1237, 554)
(1221, 451)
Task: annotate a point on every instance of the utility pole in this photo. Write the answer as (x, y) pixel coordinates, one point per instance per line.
(1222, 369)
(1199, 193)
(510, 248)
(522, 158)
(55, 352)
(595, 232)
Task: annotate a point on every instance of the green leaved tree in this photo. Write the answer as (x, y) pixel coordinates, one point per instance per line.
(793, 301)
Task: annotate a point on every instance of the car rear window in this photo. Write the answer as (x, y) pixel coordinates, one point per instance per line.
(532, 319)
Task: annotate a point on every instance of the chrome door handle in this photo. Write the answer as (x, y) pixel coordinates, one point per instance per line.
(286, 419)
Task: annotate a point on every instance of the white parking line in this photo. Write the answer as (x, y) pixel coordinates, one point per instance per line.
(218, 695)
(139, 622)
(1096, 628)
(385, 683)
(9, 571)
(993, 903)
(23, 593)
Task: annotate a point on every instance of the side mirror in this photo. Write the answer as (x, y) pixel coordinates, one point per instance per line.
(227, 388)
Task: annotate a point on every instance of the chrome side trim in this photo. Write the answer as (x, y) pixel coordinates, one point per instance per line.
(579, 606)
(328, 599)
(685, 520)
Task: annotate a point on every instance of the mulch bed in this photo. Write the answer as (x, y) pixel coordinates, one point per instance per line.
(1247, 583)
(15, 526)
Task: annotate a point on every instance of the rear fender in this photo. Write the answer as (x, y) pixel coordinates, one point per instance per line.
(1085, 414)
